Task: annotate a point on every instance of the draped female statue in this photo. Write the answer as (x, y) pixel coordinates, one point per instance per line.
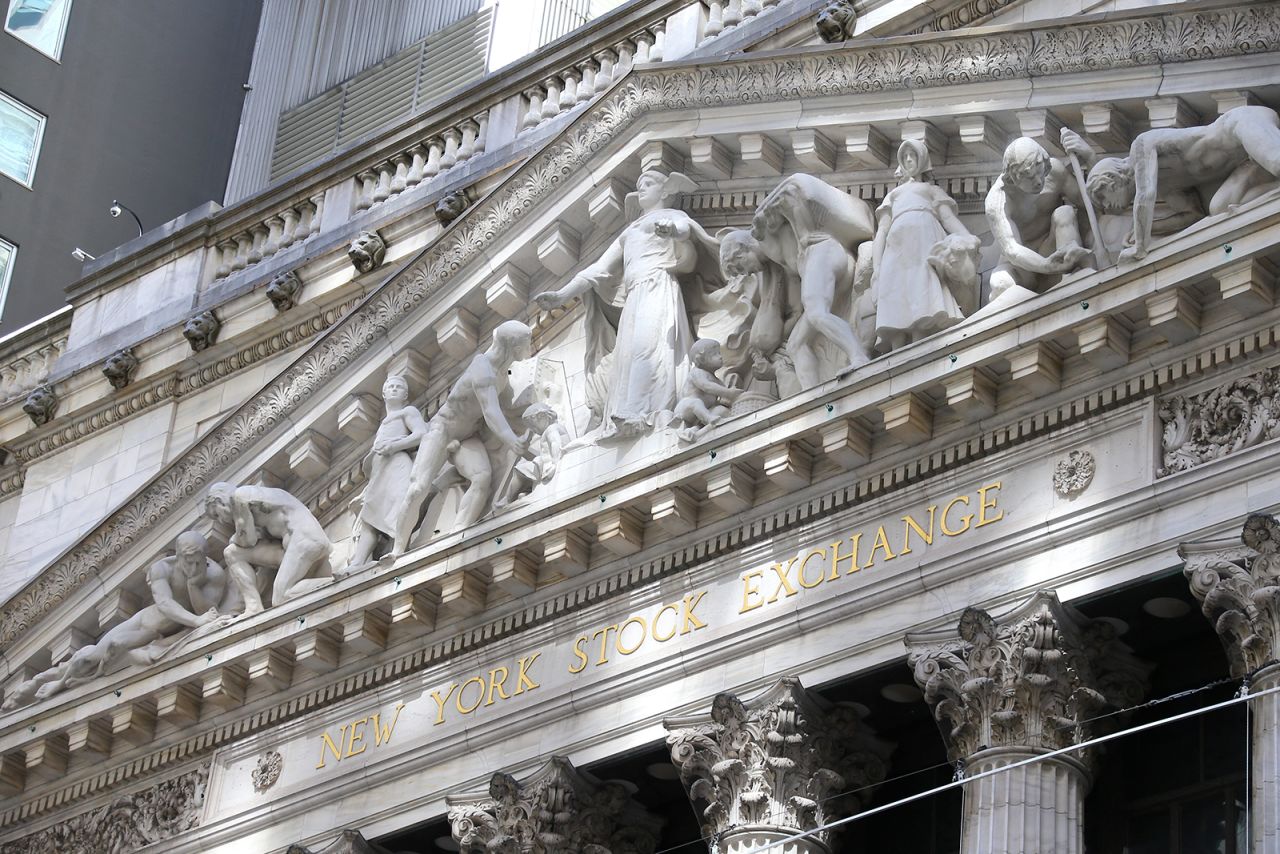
(641, 297)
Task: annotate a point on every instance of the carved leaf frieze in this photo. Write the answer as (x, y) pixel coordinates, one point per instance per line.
(127, 824)
(871, 68)
(1204, 427)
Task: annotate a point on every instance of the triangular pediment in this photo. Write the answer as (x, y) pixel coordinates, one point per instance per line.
(736, 128)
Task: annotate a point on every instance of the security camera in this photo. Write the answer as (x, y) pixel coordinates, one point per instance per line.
(81, 256)
(115, 210)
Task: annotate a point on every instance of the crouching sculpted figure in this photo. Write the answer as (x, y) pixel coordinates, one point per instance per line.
(640, 299)
(1031, 208)
(812, 230)
(191, 597)
(704, 401)
(273, 531)
(472, 411)
(389, 466)
(1228, 163)
(546, 438)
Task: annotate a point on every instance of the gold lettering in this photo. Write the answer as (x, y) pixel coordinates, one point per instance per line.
(966, 518)
(644, 633)
(783, 582)
(691, 621)
(380, 733)
(984, 505)
(749, 589)
(913, 525)
(603, 634)
(357, 737)
(852, 558)
(327, 742)
(525, 664)
(822, 553)
(579, 654)
(675, 617)
(440, 701)
(462, 690)
(496, 684)
(882, 542)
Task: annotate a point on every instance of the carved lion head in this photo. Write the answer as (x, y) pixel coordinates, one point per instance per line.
(367, 251)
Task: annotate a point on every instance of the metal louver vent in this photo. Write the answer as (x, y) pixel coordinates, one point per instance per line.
(415, 76)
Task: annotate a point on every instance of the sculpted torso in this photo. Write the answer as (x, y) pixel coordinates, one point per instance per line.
(1032, 214)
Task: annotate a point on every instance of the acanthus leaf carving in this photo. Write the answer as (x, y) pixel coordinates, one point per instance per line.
(1210, 425)
(775, 760)
(128, 823)
(557, 810)
(1034, 679)
(1238, 588)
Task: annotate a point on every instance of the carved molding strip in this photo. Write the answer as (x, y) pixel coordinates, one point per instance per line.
(1117, 43)
(714, 546)
(128, 823)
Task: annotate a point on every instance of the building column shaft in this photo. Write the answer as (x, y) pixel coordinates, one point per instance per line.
(1026, 810)
(1264, 712)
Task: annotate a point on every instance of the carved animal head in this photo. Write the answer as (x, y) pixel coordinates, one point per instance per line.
(367, 251)
(284, 289)
(119, 368)
(835, 21)
(452, 206)
(201, 331)
(40, 405)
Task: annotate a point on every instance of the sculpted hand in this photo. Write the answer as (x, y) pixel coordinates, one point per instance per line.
(1065, 260)
(549, 300)
(1076, 145)
(664, 228)
(382, 447)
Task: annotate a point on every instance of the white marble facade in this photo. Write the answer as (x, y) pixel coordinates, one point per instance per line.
(705, 327)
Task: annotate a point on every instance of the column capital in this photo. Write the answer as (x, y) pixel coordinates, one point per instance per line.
(1238, 586)
(774, 761)
(557, 808)
(1031, 679)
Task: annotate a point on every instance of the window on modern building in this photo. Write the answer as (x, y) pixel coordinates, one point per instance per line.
(8, 252)
(39, 23)
(20, 130)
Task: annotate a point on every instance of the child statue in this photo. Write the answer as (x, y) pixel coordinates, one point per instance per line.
(912, 302)
(704, 400)
(547, 438)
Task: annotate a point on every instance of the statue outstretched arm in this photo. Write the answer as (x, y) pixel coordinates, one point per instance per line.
(1010, 242)
(607, 268)
(1145, 162)
(491, 407)
(162, 595)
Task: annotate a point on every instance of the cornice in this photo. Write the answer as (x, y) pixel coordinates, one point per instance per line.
(1215, 30)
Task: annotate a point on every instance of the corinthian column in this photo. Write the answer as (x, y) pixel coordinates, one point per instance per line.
(770, 768)
(557, 810)
(1011, 690)
(1238, 585)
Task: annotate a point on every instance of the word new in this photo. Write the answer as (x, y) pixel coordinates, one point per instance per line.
(353, 734)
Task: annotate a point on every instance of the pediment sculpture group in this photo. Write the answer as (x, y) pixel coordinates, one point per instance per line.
(684, 329)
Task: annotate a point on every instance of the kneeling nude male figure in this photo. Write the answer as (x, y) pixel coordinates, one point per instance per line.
(190, 592)
(276, 531)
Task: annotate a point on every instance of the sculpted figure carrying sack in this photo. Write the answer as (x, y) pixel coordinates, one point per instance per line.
(1232, 161)
(390, 468)
(191, 597)
(639, 299)
(1031, 208)
(273, 531)
(473, 410)
(812, 230)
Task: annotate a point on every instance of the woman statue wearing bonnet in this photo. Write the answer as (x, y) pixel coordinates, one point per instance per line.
(639, 297)
(921, 285)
